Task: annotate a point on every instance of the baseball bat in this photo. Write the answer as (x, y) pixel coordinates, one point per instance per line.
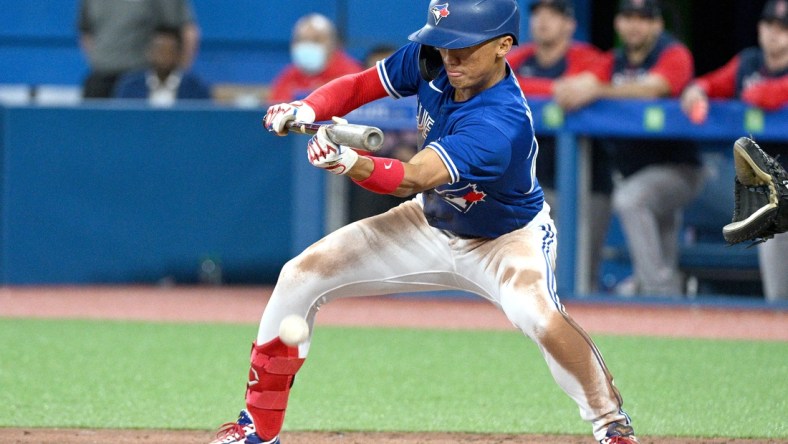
(365, 137)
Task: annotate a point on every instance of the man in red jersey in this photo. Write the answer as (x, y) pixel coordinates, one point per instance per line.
(756, 75)
(759, 77)
(550, 56)
(316, 60)
(552, 53)
(649, 63)
(653, 179)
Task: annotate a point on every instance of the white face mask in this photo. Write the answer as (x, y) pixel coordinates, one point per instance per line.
(309, 57)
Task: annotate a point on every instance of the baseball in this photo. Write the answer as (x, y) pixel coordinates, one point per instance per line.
(293, 330)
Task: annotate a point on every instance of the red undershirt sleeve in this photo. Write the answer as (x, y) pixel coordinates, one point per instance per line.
(344, 94)
(721, 83)
(536, 86)
(602, 67)
(676, 66)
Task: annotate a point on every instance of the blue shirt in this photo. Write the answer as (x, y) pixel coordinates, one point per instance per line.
(134, 85)
(752, 70)
(487, 144)
(531, 68)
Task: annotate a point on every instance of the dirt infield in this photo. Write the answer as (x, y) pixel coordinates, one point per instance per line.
(92, 436)
(245, 305)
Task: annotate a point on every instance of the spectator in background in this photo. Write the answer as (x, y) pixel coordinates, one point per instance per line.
(163, 82)
(550, 56)
(316, 59)
(758, 76)
(115, 34)
(653, 179)
(398, 144)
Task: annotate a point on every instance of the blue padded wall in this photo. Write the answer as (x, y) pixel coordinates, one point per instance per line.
(131, 194)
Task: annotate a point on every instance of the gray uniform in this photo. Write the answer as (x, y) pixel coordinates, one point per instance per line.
(773, 257)
(121, 29)
(650, 206)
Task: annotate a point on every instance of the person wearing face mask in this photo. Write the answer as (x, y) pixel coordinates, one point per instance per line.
(316, 59)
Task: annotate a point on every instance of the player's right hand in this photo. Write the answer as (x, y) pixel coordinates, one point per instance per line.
(332, 157)
(278, 115)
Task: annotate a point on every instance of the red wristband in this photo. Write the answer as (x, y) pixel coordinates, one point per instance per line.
(386, 175)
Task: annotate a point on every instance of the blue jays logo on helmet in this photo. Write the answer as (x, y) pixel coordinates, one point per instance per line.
(472, 22)
(440, 11)
(462, 198)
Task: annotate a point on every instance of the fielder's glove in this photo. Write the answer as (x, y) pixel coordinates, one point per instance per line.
(323, 153)
(760, 195)
(278, 115)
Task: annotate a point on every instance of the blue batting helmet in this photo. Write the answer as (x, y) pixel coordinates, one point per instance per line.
(454, 24)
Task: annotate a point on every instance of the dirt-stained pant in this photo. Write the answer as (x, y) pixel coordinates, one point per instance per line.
(399, 252)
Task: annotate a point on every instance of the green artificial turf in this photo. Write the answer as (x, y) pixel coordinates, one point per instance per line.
(192, 376)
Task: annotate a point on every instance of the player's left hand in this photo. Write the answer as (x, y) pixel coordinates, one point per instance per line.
(323, 153)
(278, 115)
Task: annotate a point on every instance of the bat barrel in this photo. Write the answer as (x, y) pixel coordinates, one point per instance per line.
(358, 136)
(369, 138)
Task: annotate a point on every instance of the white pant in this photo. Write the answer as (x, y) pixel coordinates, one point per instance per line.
(650, 206)
(399, 252)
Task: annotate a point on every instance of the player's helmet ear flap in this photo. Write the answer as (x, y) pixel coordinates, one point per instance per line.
(454, 24)
(430, 63)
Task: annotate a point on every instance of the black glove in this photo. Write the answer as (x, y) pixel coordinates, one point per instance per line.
(760, 195)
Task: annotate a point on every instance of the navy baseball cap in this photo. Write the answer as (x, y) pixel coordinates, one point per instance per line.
(776, 10)
(645, 8)
(565, 7)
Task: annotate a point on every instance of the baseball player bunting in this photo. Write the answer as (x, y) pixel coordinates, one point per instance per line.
(478, 222)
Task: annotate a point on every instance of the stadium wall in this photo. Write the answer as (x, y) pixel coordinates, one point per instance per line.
(124, 193)
(243, 41)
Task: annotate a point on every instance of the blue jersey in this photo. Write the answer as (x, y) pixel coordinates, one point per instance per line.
(487, 144)
(752, 70)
